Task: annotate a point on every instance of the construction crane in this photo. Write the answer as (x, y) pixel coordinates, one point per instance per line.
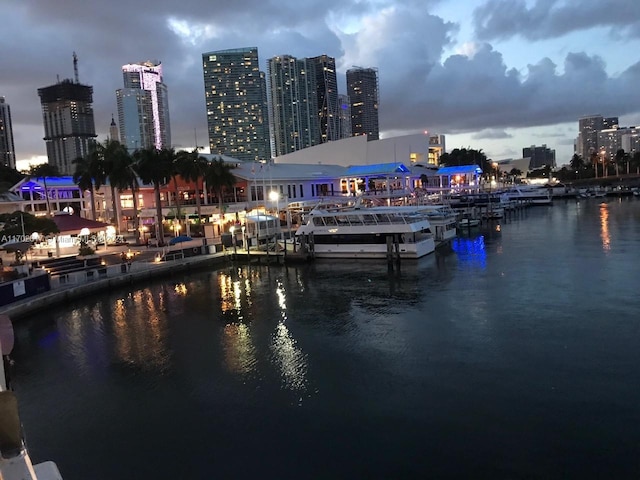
(75, 68)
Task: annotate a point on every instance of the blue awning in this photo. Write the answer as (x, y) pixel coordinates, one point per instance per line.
(377, 169)
(460, 170)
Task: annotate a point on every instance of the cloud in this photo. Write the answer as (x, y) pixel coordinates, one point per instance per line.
(503, 19)
(491, 134)
(421, 88)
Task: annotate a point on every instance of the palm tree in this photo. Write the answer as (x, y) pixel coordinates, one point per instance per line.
(174, 159)
(219, 177)
(154, 167)
(635, 161)
(90, 174)
(577, 164)
(113, 154)
(122, 176)
(43, 171)
(192, 167)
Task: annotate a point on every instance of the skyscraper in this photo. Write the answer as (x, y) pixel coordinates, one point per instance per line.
(293, 104)
(69, 127)
(143, 107)
(589, 126)
(7, 147)
(236, 101)
(362, 88)
(344, 116)
(327, 95)
(539, 156)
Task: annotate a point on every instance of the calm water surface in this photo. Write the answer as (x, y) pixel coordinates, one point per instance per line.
(515, 355)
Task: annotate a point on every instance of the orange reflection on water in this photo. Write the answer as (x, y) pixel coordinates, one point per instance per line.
(239, 351)
(230, 293)
(140, 330)
(604, 227)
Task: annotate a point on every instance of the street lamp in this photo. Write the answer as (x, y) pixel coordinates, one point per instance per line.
(275, 197)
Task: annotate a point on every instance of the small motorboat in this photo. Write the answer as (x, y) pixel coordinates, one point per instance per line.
(468, 222)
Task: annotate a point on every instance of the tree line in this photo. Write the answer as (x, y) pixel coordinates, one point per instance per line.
(110, 162)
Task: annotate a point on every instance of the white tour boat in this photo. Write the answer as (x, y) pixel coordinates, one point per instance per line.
(529, 194)
(15, 463)
(443, 219)
(369, 232)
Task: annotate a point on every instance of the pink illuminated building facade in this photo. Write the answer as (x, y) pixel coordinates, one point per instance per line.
(143, 107)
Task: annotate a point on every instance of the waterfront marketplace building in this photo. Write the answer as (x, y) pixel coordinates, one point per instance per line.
(282, 188)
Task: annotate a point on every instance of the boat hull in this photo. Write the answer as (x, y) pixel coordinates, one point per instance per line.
(408, 251)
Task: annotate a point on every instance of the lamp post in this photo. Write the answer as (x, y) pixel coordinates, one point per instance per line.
(275, 197)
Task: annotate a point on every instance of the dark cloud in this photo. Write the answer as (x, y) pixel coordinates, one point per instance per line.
(420, 89)
(470, 94)
(503, 19)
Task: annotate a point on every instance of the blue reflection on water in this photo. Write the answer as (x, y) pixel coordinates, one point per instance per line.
(49, 339)
(471, 252)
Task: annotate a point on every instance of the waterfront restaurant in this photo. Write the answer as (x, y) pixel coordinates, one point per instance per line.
(260, 187)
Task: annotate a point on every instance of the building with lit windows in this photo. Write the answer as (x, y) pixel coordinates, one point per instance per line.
(362, 88)
(236, 104)
(539, 156)
(344, 116)
(7, 147)
(143, 107)
(293, 104)
(327, 97)
(611, 140)
(69, 127)
(589, 126)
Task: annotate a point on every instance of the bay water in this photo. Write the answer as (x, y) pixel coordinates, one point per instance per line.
(513, 354)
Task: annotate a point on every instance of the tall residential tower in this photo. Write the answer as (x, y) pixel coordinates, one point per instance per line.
(362, 88)
(236, 101)
(143, 107)
(589, 126)
(327, 97)
(7, 147)
(293, 104)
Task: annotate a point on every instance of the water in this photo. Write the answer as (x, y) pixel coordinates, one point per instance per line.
(515, 355)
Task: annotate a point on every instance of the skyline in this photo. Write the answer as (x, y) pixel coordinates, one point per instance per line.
(495, 75)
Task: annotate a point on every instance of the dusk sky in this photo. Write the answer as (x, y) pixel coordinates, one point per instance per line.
(496, 75)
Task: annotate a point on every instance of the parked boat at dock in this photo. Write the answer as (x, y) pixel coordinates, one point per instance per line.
(370, 232)
(533, 195)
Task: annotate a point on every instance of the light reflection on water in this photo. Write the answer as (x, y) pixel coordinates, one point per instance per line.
(604, 226)
(507, 341)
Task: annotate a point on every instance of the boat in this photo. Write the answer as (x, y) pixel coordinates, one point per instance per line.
(15, 462)
(468, 222)
(529, 194)
(443, 219)
(369, 232)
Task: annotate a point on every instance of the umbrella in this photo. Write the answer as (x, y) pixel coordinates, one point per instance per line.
(180, 239)
(12, 246)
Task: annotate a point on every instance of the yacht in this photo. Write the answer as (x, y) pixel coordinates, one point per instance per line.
(15, 463)
(443, 219)
(529, 194)
(368, 232)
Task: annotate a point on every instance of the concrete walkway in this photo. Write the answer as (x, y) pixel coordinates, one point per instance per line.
(141, 268)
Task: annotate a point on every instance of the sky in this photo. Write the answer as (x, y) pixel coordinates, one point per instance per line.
(495, 75)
